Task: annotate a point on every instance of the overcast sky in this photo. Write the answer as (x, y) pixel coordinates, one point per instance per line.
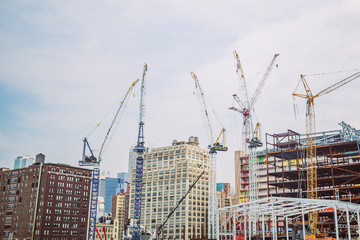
(64, 65)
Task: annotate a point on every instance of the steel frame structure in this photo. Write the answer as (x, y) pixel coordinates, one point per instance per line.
(278, 217)
(337, 163)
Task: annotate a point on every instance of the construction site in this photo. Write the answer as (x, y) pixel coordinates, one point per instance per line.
(300, 186)
(282, 209)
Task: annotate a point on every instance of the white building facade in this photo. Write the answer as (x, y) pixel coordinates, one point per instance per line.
(168, 173)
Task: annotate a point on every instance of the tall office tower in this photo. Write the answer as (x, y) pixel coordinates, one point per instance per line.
(114, 186)
(45, 201)
(124, 182)
(23, 162)
(168, 173)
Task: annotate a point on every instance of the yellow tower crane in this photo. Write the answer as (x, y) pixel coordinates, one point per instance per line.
(311, 167)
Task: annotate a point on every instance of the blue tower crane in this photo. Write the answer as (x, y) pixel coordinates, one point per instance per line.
(140, 150)
(92, 161)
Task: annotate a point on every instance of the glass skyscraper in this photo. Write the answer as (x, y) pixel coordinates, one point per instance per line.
(23, 162)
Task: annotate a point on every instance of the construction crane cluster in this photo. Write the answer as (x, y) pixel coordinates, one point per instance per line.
(251, 140)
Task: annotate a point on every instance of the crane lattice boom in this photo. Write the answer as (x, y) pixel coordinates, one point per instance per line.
(108, 134)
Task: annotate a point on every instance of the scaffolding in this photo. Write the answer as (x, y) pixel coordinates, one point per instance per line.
(286, 218)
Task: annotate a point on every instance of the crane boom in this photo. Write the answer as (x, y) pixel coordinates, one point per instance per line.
(338, 84)
(244, 102)
(160, 228)
(262, 82)
(203, 106)
(140, 149)
(116, 116)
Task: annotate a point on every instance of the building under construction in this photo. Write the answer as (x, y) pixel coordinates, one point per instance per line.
(337, 161)
(283, 212)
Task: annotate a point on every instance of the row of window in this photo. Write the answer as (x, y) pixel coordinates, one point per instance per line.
(62, 218)
(69, 171)
(67, 198)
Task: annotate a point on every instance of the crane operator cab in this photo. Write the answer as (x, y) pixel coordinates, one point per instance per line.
(90, 160)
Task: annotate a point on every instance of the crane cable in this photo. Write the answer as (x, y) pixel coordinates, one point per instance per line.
(98, 124)
(326, 73)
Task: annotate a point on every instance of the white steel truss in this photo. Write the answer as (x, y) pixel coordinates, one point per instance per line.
(273, 216)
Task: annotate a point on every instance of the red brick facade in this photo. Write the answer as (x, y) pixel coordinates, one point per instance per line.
(47, 202)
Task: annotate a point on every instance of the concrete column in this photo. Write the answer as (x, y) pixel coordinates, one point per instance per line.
(250, 225)
(234, 226)
(303, 221)
(245, 226)
(348, 222)
(336, 223)
(263, 226)
(287, 228)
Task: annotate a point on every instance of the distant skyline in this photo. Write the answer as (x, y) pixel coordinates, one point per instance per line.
(64, 65)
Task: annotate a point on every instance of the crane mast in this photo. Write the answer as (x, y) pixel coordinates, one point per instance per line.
(140, 150)
(311, 166)
(213, 147)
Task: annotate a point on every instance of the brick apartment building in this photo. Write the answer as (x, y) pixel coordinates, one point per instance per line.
(44, 201)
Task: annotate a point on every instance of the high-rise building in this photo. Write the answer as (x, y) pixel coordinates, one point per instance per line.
(118, 213)
(168, 173)
(242, 177)
(219, 186)
(23, 161)
(113, 186)
(44, 201)
(224, 194)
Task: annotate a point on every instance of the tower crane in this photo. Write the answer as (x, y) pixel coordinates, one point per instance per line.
(311, 168)
(140, 150)
(249, 146)
(245, 109)
(213, 147)
(94, 162)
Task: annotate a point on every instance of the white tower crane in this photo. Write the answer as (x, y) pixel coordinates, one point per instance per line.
(249, 145)
(214, 147)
